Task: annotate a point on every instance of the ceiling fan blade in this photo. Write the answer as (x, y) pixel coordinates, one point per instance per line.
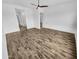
(39, 5)
(43, 6)
(33, 4)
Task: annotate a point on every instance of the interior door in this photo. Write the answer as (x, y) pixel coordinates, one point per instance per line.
(21, 19)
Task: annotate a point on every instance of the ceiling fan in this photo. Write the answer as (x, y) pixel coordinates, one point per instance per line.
(41, 6)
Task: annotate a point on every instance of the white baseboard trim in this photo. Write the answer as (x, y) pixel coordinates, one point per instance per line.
(60, 28)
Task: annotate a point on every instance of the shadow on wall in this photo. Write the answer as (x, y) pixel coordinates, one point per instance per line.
(74, 25)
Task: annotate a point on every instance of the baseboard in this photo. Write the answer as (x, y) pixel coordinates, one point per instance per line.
(61, 28)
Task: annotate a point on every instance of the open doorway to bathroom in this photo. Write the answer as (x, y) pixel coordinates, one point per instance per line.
(21, 20)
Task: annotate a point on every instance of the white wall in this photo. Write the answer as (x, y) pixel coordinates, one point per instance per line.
(10, 23)
(61, 17)
(64, 22)
(29, 18)
(36, 18)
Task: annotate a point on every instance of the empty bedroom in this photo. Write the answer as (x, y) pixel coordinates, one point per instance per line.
(39, 29)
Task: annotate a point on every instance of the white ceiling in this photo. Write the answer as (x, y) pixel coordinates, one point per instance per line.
(27, 3)
(54, 6)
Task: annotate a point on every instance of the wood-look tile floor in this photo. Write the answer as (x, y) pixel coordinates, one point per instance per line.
(41, 44)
